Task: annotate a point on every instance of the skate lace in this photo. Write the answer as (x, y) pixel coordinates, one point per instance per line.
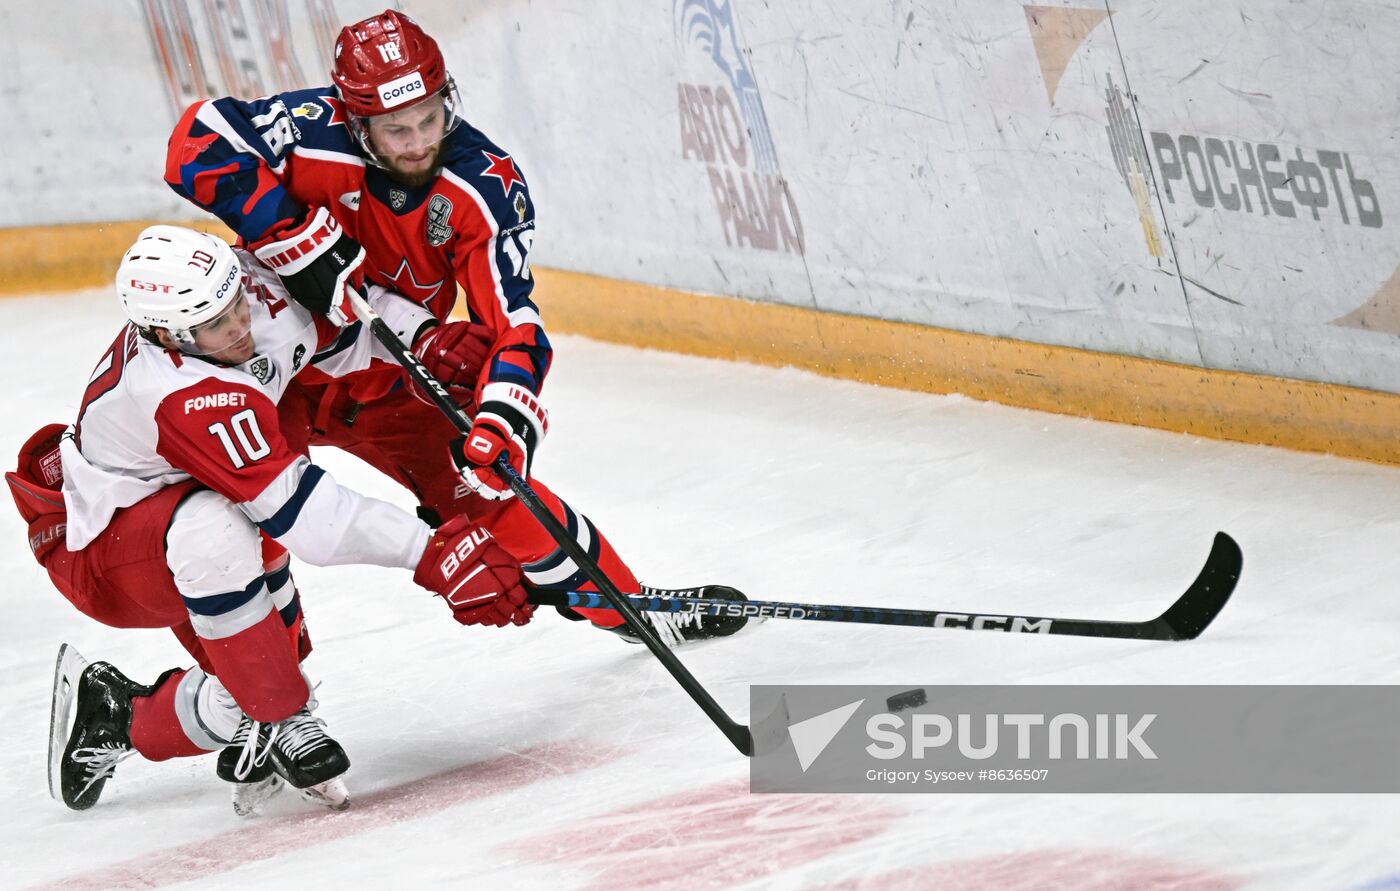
(670, 626)
(100, 762)
(299, 734)
(250, 757)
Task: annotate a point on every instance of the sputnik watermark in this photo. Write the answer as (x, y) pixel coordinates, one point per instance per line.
(1090, 736)
(1084, 738)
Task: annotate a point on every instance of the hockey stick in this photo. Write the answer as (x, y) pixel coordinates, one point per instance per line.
(1184, 620)
(737, 733)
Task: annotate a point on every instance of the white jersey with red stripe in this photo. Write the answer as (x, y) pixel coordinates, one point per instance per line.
(152, 417)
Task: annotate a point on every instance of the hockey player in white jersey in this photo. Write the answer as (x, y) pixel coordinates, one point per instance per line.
(172, 501)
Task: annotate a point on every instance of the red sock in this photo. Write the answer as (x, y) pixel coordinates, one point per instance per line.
(259, 666)
(618, 573)
(155, 729)
(516, 530)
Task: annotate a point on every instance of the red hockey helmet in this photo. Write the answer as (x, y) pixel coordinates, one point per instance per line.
(386, 62)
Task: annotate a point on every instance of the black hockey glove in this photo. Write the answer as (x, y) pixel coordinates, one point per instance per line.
(317, 261)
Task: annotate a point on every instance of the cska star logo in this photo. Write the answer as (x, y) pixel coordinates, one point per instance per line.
(503, 169)
(406, 283)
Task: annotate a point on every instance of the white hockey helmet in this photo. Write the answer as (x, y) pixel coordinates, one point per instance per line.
(176, 278)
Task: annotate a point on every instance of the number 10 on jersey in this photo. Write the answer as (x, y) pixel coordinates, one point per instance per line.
(250, 446)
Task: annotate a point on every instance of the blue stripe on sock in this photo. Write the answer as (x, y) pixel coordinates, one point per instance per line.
(218, 604)
(277, 579)
(290, 612)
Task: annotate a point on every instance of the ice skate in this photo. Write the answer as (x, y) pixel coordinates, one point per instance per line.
(297, 750)
(675, 629)
(254, 782)
(84, 753)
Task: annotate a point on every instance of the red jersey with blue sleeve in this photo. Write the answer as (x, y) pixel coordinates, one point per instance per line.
(260, 165)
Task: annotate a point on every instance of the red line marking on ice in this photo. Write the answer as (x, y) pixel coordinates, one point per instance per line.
(280, 836)
(714, 836)
(1047, 871)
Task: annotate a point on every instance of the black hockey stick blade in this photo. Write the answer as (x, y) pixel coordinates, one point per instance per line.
(1208, 594)
(1186, 618)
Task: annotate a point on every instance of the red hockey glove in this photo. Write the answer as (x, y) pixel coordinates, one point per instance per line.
(317, 261)
(454, 354)
(511, 421)
(478, 578)
(36, 485)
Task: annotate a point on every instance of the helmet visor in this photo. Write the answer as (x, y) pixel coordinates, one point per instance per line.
(407, 141)
(227, 338)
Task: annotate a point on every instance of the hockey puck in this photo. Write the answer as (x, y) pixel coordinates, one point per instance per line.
(908, 699)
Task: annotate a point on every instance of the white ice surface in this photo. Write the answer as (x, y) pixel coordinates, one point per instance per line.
(554, 756)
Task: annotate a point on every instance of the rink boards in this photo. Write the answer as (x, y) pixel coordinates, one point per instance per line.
(1254, 408)
(1111, 214)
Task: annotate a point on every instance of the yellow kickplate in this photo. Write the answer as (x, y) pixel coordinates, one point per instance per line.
(1249, 408)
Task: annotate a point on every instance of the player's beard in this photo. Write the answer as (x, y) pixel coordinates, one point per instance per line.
(418, 179)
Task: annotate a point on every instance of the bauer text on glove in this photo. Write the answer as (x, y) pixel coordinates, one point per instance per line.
(317, 261)
(478, 578)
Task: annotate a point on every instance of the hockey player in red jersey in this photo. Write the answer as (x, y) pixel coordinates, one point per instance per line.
(380, 178)
(170, 501)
